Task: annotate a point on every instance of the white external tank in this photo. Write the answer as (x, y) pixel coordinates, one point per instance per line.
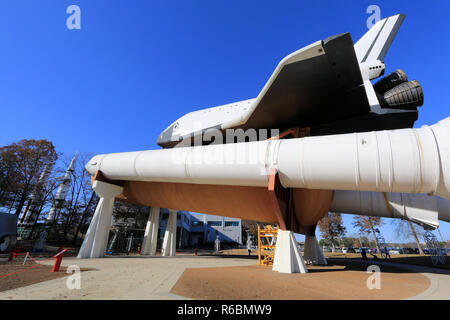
(404, 160)
(422, 209)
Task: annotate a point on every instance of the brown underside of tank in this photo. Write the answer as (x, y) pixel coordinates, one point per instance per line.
(249, 203)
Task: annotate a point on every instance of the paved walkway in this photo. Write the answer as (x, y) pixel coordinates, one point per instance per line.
(133, 277)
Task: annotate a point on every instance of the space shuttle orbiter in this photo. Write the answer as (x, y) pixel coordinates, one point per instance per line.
(335, 130)
(324, 86)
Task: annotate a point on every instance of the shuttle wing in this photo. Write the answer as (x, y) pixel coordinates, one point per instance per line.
(313, 85)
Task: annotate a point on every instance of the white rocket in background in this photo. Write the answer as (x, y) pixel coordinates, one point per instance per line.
(63, 188)
(36, 195)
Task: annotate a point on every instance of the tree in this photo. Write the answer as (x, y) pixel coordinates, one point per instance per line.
(354, 241)
(325, 242)
(405, 230)
(367, 224)
(78, 195)
(73, 213)
(88, 211)
(8, 179)
(21, 165)
(42, 199)
(362, 241)
(331, 228)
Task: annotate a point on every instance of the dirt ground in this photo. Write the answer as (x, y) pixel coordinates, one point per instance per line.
(338, 281)
(15, 274)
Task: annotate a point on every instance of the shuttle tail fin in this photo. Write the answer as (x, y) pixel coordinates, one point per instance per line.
(375, 43)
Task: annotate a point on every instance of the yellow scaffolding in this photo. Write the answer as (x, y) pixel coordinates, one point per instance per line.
(267, 239)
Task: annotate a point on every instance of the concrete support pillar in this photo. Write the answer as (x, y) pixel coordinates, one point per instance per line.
(151, 233)
(313, 252)
(288, 258)
(169, 243)
(96, 238)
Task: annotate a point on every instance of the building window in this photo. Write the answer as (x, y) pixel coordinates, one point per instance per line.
(165, 216)
(231, 223)
(178, 216)
(215, 223)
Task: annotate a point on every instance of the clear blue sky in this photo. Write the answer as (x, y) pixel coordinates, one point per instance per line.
(135, 66)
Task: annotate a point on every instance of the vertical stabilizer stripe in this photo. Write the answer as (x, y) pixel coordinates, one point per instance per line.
(374, 41)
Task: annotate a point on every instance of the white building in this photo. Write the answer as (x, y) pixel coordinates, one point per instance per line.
(195, 229)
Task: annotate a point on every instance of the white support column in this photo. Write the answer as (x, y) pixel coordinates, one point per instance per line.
(151, 233)
(96, 239)
(288, 258)
(169, 243)
(313, 252)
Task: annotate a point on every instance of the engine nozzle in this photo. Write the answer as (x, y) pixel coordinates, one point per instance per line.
(390, 81)
(407, 95)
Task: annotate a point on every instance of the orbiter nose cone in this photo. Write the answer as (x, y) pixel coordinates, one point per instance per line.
(167, 138)
(94, 164)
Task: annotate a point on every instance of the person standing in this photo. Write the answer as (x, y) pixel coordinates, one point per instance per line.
(364, 254)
